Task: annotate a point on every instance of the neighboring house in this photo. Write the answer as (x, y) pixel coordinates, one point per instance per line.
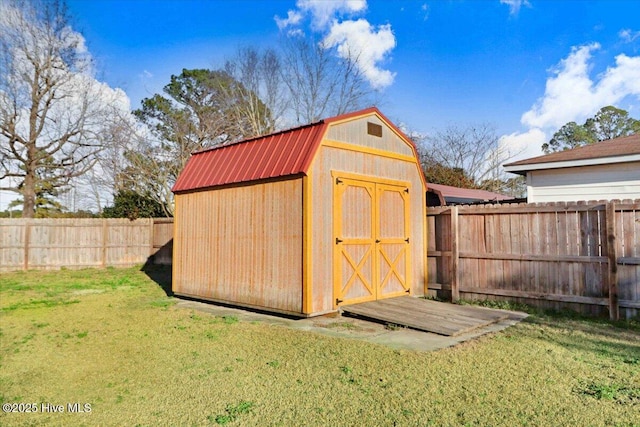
(304, 220)
(605, 170)
(443, 195)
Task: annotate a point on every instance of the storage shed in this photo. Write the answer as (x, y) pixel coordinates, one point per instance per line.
(304, 220)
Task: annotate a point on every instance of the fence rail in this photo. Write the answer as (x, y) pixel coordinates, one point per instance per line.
(81, 242)
(585, 256)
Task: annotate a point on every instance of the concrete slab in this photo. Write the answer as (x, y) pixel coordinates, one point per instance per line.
(336, 325)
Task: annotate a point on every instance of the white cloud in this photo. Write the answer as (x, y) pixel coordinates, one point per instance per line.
(571, 94)
(515, 5)
(628, 35)
(355, 40)
(293, 18)
(367, 46)
(523, 145)
(425, 11)
(323, 11)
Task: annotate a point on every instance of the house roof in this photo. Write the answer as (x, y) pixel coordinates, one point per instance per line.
(280, 154)
(458, 194)
(615, 150)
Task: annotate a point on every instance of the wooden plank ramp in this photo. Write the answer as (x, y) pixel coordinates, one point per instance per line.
(426, 315)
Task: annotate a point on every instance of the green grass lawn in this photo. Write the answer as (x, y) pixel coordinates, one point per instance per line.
(113, 339)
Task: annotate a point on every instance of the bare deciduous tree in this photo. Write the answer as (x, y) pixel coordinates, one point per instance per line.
(261, 88)
(106, 177)
(51, 109)
(470, 156)
(319, 83)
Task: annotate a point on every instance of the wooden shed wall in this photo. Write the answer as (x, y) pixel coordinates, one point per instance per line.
(355, 131)
(330, 159)
(241, 244)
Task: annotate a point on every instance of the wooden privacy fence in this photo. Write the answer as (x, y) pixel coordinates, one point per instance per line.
(81, 242)
(583, 256)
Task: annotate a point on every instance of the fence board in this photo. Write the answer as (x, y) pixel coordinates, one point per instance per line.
(550, 255)
(553, 255)
(81, 242)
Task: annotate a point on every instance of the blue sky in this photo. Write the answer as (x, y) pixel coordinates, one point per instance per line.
(453, 62)
(524, 66)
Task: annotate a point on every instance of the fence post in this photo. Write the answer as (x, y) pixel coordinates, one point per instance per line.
(455, 255)
(105, 237)
(152, 229)
(610, 217)
(27, 242)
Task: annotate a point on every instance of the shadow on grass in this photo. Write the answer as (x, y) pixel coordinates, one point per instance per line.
(159, 273)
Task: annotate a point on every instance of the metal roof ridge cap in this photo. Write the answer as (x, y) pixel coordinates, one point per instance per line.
(257, 137)
(314, 147)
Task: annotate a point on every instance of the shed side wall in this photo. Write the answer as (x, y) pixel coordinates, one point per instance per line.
(333, 159)
(241, 245)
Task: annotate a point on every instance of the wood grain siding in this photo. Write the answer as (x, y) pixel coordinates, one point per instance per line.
(354, 131)
(241, 245)
(602, 182)
(330, 159)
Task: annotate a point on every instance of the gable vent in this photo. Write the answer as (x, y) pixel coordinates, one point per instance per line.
(374, 129)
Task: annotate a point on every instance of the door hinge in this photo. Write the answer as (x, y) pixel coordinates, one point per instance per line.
(406, 240)
(338, 240)
(408, 291)
(377, 240)
(338, 301)
(406, 190)
(338, 181)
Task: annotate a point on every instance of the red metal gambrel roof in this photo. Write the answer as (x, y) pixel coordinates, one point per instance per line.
(279, 154)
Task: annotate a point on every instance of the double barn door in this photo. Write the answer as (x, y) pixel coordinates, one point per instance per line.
(372, 246)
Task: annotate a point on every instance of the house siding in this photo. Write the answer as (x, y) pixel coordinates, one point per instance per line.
(602, 182)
